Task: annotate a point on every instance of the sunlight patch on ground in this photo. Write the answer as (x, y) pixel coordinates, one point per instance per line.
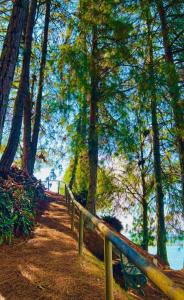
(28, 272)
(56, 253)
(38, 241)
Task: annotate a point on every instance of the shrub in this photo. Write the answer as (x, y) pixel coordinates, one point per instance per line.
(6, 217)
(24, 206)
(114, 222)
(81, 197)
(18, 202)
(16, 213)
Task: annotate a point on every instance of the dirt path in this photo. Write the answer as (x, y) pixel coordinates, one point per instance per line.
(47, 266)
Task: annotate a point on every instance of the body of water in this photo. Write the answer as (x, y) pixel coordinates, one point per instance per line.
(175, 254)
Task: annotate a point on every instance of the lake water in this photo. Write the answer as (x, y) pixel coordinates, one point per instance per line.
(175, 255)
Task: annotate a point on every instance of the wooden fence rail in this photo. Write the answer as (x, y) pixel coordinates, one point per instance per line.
(164, 283)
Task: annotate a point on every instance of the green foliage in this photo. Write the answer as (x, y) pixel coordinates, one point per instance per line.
(6, 217)
(124, 90)
(82, 174)
(136, 231)
(17, 212)
(106, 189)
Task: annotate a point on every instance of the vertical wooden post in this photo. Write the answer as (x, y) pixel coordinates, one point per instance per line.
(73, 216)
(66, 195)
(58, 187)
(108, 269)
(69, 202)
(81, 232)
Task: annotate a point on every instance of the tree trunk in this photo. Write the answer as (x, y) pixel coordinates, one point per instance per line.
(9, 55)
(27, 129)
(161, 231)
(144, 204)
(84, 119)
(23, 92)
(145, 223)
(72, 179)
(174, 90)
(27, 134)
(93, 134)
(37, 119)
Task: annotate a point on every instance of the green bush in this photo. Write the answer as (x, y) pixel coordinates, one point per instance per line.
(17, 212)
(114, 222)
(106, 188)
(6, 216)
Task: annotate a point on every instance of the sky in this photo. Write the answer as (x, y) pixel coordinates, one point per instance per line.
(43, 173)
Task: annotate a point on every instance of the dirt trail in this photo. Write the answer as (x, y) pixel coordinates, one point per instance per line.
(47, 266)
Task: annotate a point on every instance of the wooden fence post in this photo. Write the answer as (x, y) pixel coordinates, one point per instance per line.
(58, 187)
(108, 269)
(81, 232)
(69, 202)
(66, 195)
(73, 216)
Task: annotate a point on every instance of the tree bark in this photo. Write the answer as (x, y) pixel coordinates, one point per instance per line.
(144, 204)
(27, 134)
(37, 119)
(74, 168)
(9, 55)
(174, 91)
(27, 129)
(23, 92)
(93, 134)
(161, 231)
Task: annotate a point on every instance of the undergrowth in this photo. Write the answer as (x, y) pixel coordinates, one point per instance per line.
(18, 202)
(17, 212)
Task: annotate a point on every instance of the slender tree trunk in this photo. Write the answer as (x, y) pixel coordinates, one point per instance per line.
(93, 134)
(27, 134)
(84, 120)
(72, 179)
(76, 155)
(144, 204)
(9, 55)
(37, 119)
(174, 90)
(81, 138)
(23, 92)
(145, 223)
(161, 231)
(27, 129)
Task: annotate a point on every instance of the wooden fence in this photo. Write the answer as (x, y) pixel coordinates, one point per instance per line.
(165, 284)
